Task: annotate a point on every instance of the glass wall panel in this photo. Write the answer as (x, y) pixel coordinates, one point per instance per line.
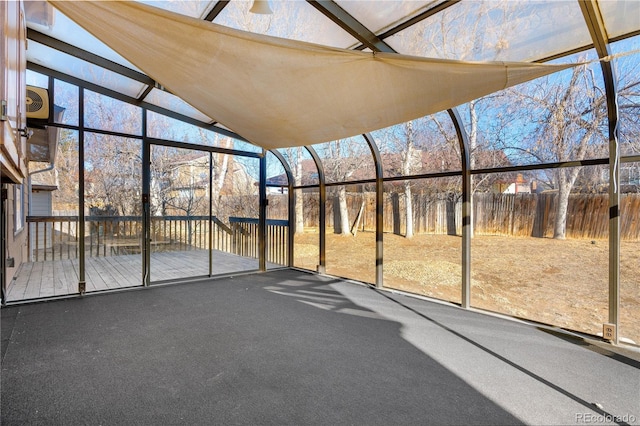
(562, 117)
(350, 233)
(422, 244)
(302, 165)
(179, 213)
(619, 17)
(630, 257)
(37, 79)
(105, 113)
(66, 96)
(113, 211)
(186, 184)
(277, 213)
(500, 31)
(305, 226)
(195, 9)
(295, 20)
(52, 266)
(381, 16)
(628, 73)
(66, 30)
(307, 239)
(162, 127)
(543, 255)
(346, 160)
(426, 145)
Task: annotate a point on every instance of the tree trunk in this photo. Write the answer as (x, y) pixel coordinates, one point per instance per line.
(408, 209)
(560, 223)
(344, 211)
(566, 179)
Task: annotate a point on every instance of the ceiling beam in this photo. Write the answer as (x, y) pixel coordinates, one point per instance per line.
(215, 11)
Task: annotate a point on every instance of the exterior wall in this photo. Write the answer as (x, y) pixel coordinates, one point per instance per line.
(13, 162)
(12, 91)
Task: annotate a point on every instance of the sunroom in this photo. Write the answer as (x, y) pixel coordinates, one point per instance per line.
(490, 165)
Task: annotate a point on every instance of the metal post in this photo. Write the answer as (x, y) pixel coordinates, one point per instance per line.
(322, 261)
(262, 217)
(467, 229)
(82, 281)
(146, 203)
(593, 20)
(377, 160)
(210, 213)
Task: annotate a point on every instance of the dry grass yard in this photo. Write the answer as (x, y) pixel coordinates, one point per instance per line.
(563, 283)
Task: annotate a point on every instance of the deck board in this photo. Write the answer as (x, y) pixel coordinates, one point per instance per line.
(60, 277)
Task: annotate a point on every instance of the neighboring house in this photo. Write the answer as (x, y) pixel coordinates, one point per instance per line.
(514, 186)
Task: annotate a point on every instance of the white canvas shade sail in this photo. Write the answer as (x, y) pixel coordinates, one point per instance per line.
(281, 93)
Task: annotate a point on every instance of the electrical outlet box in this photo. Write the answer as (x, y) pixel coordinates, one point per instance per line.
(609, 331)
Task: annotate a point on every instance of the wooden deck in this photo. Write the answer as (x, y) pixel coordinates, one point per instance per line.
(60, 277)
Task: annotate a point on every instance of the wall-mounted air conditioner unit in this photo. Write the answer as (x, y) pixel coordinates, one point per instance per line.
(37, 103)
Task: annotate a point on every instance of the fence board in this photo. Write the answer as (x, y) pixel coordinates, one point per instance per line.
(494, 214)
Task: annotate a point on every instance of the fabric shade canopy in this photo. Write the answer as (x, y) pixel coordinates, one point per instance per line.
(281, 93)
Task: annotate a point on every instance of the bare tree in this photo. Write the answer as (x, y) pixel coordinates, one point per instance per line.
(341, 159)
(294, 158)
(571, 126)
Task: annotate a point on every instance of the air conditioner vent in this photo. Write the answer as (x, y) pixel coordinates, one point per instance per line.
(37, 103)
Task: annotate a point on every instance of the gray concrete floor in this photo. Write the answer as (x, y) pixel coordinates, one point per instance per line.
(289, 347)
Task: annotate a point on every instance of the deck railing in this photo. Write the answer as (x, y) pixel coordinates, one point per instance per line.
(56, 237)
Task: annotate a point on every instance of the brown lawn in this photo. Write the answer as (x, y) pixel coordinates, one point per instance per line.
(562, 283)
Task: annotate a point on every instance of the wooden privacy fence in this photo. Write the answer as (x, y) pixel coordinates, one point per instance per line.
(493, 214)
(56, 237)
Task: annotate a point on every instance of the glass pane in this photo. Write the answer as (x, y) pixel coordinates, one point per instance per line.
(422, 245)
(302, 166)
(544, 255)
(277, 214)
(67, 64)
(52, 269)
(307, 239)
(379, 16)
(181, 184)
(173, 103)
(195, 9)
(64, 29)
(290, 19)
(500, 31)
(179, 213)
(350, 233)
(627, 70)
(346, 160)
(113, 211)
(426, 145)
(562, 117)
(165, 128)
(105, 113)
(630, 257)
(37, 79)
(66, 96)
(620, 17)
